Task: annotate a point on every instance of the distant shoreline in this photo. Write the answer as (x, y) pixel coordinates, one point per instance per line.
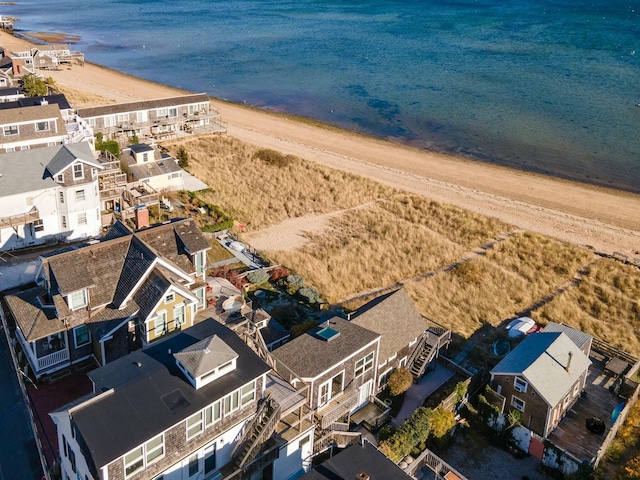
(603, 218)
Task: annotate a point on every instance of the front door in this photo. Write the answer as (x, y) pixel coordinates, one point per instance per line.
(364, 394)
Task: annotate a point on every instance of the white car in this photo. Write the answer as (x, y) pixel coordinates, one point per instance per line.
(520, 327)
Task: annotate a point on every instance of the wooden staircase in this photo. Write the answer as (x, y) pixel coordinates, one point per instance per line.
(433, 339)
(257, 432)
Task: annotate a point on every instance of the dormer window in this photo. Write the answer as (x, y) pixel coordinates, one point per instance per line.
(42, 126)
(205, 361)
(60, 179)
(78, 300)
(170, 298)
(78, 173)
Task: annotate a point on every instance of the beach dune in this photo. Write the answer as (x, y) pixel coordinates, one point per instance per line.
(604, 219)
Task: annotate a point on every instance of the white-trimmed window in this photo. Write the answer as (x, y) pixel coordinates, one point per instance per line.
(213, 413)
(170, 298)
(565, 402)
(161, 112)
(200, 296)
(160, 323)
(78, 299)
(403, 362)
(60, 178)
(384, 378)
(179, 315)
(42, 126)
(248, 393)
(364, 364)
(154, 449)
(64, 221)
(173, 112)
(81, 336)
(80, 196)
(38, 226)
(209, 458)
(517, 403)
(138, 458)
(576, 389)
(330, 389)
(194, 465)
(520, 385)
(61, 193)
(134, 462)
(232, 402)
(82, 218)
(199, 263)
(78, 172)
(122, 117)
(195, 425)
(10, 130)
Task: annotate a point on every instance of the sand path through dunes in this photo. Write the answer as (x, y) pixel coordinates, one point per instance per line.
(608, 220)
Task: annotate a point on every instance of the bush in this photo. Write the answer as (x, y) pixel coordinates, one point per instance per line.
(441, 422)
(183, 157)
(399, 381)
(414, 431)
(296, 280)
(258, 276)
(279, 273)
(272, 157)
(385, 432)
(110, 146)
(309, 295)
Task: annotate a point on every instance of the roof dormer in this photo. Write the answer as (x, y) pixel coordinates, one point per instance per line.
(206, 361)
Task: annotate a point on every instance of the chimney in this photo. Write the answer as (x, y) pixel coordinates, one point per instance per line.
(569, 357)
(142, 218)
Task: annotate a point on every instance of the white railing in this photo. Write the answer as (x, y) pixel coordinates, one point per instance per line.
(53, 359)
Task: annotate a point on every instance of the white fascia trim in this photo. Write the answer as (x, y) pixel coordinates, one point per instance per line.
(375, 360)
(161, 301)
(109, 334)
(156, 261)
(30, 122)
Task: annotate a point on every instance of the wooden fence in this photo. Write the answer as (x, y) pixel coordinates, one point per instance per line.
(435, 464)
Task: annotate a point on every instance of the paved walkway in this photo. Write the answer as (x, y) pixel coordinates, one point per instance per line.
(245, 256)
(192, 183)
(418, 392)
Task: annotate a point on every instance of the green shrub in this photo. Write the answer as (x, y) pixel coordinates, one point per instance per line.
(309, 295)
(296, 280)
(442, 421)
(399, 381)
(110, 146)
(385, 432)
(258, 276)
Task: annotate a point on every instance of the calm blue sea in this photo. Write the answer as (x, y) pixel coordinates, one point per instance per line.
(549, 86)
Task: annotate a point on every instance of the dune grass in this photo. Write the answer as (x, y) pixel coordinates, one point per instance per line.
(512, 277)
(606, 304)
(258, 191)
(367, 249)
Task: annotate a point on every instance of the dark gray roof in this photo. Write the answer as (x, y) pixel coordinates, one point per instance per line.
(144, 383)
(393, 316)
(140, 147)
(543, 360)
(152, 290)
(138, 260)
(9, 91)
(108, 319)
(142, 105)
(59, 99)
(67, 154)
(309, 356)
(117, 230)
(205, 356)
(354, 460)
(581, 339)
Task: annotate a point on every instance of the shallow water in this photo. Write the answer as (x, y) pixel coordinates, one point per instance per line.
(549, 86)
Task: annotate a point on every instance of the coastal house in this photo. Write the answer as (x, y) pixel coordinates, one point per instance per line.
(10, 94)
(52, 56)
(542, 378)
(104, 299)
(337, 361)
(154, 119)
(145, 164)
(407, 339)
(201, 404)
(13, 65)
(48, 195)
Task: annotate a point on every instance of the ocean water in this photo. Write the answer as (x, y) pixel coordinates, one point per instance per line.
(550, 86)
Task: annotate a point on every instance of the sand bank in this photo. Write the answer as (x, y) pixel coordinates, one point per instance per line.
(605, 219)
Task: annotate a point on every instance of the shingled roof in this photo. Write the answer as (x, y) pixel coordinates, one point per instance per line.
(309, 355)
(395, 318)
(34, 321)
(205, 356)
(142, 105)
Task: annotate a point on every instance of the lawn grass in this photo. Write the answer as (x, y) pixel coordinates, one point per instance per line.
(217, 253)
(605, 304)
(259, 193)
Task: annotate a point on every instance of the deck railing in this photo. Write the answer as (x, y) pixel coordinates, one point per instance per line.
(53, 359)
(339, 407)
(20, 219)
(435, 463)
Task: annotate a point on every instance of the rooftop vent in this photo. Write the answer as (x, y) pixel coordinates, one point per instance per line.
(363, 476)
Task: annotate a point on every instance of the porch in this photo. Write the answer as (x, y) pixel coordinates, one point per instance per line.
(373, 414)
(337, 409)
(48, 354)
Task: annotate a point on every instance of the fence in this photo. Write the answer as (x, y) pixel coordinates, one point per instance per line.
(435, 464)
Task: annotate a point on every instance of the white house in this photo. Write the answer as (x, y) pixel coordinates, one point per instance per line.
(143, 163)
(48, 194)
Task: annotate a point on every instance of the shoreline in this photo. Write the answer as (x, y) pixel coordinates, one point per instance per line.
(586, 214)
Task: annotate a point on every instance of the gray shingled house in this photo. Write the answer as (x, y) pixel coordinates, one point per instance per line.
(542, 378)
(104, 299)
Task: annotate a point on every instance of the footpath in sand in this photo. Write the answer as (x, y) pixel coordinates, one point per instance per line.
(607, 220)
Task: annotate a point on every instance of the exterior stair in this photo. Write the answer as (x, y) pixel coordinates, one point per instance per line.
(428, 347)
(257, 432)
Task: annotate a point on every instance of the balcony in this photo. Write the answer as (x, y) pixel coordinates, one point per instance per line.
(338, 408)
(20, 219)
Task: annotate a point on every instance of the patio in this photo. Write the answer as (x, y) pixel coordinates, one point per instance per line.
(571, 435)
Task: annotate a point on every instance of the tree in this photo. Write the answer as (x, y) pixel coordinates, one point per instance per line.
(399, 381)
(441, 422)
(183, 157)
(309, 294)
(135, 140)
(33, 85)
(110, 146)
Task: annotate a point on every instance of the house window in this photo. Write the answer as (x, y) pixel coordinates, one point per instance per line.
(42, 126)
(61, 193)
(403, 362)
(520, 385)
(160, 323)
(60, 179)
(82, 218)
(232, 402)
(10, 130)
(209, 459)
(384, 378)
(91, 122)
(170, 298)
(24, 147)
(154, 448)
(81, 335)
(179, 315)
(517, 403)
(64, 221)
(122, 117)
(304, 441)
(193, 465)
(200, 296)
(162, 112)
(133, 462)
(78, 299)
(199, 263)
(576, 389)
(331, 389)
(72, 459)
(173, 112)
(364, 364)
(213, 413)
(78, 173)
(194, 425)
(80, 196)
(248, 393)
(566, 400)
(38, 226)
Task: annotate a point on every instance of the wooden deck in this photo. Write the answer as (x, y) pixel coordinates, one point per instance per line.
(571, 435)
(371, 415)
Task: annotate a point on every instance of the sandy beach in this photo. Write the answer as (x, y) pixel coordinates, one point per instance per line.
(604, 219)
